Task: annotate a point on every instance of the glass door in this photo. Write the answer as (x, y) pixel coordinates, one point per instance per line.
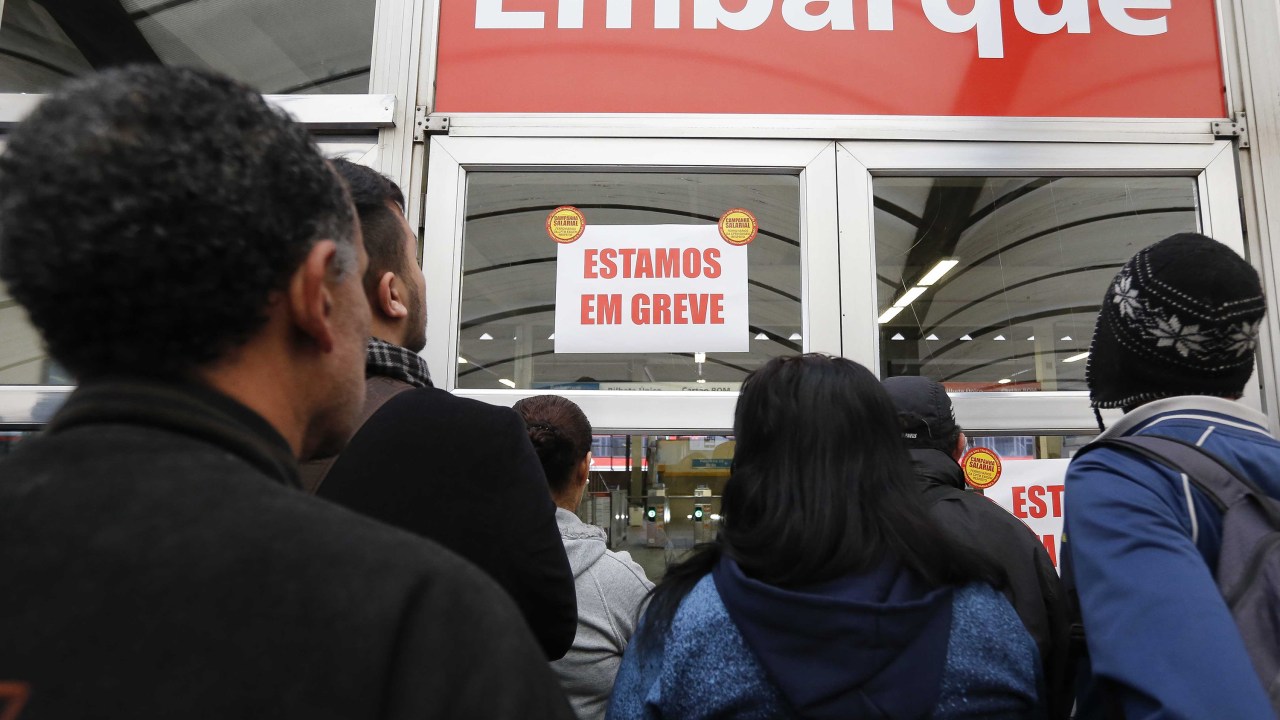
(642, 278)
(983, 265)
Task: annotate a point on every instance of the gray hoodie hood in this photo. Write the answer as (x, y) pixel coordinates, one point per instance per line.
(583, 543)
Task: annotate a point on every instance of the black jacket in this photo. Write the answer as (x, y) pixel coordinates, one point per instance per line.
(158, 561)
(464, 474)
(1033, 587)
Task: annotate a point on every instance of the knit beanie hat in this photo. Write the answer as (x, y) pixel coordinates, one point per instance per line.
(1181, 318)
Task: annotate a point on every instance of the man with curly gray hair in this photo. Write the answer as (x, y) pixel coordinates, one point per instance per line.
(188, 254)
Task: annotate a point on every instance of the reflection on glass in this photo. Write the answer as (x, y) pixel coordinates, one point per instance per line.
(506, 338)
(993, 283)
(276, 46)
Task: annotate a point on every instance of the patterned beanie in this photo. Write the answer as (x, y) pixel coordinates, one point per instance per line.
(1181, 318)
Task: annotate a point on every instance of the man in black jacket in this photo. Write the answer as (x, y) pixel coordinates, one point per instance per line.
(936, 444)
(187, 253)
(455, 470)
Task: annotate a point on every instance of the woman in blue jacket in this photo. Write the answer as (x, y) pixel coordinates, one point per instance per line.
(829, 593)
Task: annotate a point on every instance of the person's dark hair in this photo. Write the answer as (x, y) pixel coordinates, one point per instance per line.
(383, 237)
(148, 213)
(561, 434)
(821, 487)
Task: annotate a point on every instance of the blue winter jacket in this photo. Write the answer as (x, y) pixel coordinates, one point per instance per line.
(1155, 622)
(880, 645)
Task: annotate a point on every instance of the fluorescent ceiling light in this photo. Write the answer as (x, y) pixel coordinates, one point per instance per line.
(909, 296)
(889, 314)
(1033, 337)
(702, 381)
(897, 336)
(699, 357)
(507, 382)
(932, 337)
(486, 336)
(1066, 338)
(965, 337)
(942, 268)
(998, 337)
(462, 360)
(552, 336)
(795, 336)
(761, 336)
(1076, 358)
(1004, 381)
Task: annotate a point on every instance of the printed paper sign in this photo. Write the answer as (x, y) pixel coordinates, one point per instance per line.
(651, 288)
(1033, 491)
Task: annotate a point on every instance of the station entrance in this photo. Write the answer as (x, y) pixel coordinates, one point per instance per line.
(979, 265)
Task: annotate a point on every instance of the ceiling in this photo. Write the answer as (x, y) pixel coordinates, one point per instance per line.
(276, 46)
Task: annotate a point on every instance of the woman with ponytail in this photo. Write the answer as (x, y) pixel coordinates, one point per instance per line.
(611, 587)
(829, 593)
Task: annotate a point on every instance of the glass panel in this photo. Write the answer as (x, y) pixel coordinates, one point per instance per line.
(9, 441)
(1019, 266)
(276, 46)
(509, 276)
(360, 150)
(1030, 447)
(1030, 485)
(661, 501)
(23, 360)
(666, 498)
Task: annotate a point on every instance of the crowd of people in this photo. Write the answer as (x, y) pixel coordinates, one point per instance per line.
(256, 503)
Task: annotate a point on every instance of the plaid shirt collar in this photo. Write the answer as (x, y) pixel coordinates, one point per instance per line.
(393, 361)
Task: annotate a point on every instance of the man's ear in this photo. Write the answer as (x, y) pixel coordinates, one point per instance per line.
(310, 298)
(961, 443)
(390, 302)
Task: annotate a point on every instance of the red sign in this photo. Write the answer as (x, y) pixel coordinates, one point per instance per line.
(1011, 58)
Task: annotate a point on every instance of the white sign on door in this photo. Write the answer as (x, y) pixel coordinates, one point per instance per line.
(651, 288)
(1032, 491)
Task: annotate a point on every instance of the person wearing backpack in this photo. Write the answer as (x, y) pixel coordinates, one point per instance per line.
(1173, 347)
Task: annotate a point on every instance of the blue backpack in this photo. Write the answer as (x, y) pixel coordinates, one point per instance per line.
(1249, 563)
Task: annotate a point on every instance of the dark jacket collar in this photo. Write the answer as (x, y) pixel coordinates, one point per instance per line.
(190, 409)
(935, 467)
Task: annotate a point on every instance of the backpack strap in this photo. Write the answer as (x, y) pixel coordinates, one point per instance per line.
(1207, 471)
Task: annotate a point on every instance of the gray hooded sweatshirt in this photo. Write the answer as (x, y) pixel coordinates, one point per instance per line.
(611, 589)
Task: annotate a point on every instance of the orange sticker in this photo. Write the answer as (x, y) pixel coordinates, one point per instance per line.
(566, 223)
(981, 467)
(738, 227)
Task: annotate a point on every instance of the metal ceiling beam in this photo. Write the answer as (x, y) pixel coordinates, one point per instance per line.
(947, 214)
(102, 31)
